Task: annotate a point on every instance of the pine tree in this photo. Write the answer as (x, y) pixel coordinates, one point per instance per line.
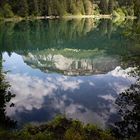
(137, 8)
(104, 6)
(110, 6)
(35, 7)
(88, 6)
(23, 8)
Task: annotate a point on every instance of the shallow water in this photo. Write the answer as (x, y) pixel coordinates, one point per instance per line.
(73, 67)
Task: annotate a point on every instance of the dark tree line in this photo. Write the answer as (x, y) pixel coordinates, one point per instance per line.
(45, 7)
(24, 8)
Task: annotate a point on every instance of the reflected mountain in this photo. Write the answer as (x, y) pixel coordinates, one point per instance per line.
(72, 62)
(70, 47)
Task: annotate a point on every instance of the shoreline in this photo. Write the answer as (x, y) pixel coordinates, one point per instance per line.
(89, 16)
(65, 17)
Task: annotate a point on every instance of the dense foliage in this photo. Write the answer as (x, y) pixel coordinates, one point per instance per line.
(24, 8)
(60, 128)
(5, 97)
(45, 7)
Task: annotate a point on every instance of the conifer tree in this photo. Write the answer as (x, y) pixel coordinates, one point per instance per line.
(22, 8)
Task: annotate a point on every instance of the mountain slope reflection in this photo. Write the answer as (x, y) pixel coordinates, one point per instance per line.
(72, 62)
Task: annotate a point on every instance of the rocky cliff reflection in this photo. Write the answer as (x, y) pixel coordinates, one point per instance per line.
(77, 62)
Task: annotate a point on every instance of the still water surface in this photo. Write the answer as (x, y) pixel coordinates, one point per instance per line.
(73, 67)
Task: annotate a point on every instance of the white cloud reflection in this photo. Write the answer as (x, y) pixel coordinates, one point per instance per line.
(31, 92)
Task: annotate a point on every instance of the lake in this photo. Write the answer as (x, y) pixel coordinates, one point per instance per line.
(74, 67)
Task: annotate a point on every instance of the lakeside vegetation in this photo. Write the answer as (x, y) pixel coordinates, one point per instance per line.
(60, 128)
(38, 8)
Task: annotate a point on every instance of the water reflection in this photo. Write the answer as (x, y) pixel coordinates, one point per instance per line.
(35, 35)
(74, 67)
(73, 34)
(71, 47)
(88, 98)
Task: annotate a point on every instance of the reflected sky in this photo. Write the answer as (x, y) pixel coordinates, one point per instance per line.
(40, 96)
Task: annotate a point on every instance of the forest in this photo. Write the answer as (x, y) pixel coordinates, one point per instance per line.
(29, 8)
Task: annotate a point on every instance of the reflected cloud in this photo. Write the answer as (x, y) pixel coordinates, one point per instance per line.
(108, 97)
(30, 91)
(67, 95)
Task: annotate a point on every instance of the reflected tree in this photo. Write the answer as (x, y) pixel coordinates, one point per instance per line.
(129, 109)
(5, 97)
(106, 28)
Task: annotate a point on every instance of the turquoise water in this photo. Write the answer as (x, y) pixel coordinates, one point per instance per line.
(75, 67)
